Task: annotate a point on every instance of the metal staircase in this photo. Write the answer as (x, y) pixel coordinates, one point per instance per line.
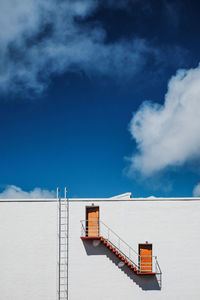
(63, 247)
(119, 248)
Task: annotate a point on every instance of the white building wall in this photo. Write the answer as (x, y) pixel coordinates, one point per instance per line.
(28, 251)
(172, 227)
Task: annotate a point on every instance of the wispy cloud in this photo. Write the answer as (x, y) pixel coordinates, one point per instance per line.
(168, 135)
(39, 38)
(120, 4)
(172, 12)
(14, 192)
(196, 191)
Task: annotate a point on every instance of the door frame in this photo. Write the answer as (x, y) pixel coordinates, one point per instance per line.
(139, 248)
(86, 216)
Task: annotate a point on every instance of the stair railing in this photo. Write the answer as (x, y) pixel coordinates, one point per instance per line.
(97, 228)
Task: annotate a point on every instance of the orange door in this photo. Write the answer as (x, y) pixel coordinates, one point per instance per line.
(92, 221)
(145, 258)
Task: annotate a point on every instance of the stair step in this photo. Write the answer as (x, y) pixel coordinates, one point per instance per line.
(122, 258)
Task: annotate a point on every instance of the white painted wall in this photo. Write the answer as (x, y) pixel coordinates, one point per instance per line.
(28, 253)
(172, 227)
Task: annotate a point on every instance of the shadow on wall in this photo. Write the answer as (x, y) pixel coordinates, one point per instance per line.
(145, 282)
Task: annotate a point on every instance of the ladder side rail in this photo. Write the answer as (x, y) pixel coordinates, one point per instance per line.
(67, 241)
(59, 245)
(63, 233)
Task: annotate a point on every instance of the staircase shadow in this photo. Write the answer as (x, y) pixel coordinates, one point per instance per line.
(145, 282)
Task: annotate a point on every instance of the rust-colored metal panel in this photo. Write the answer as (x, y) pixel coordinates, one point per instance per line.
(145, 251)
(92, 223)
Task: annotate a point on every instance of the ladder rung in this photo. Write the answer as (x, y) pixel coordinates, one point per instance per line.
(63, 266)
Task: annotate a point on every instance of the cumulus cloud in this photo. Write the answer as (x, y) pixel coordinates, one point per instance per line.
(40, 38)
(168, 135)
(14, 192)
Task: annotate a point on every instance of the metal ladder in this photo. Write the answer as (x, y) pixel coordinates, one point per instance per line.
(63, 246)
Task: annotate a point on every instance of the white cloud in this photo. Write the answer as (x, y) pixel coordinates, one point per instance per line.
(14, 192)
(168, 135)
(196, 191)
(39, 38)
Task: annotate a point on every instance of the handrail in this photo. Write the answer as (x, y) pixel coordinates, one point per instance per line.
(118, 237)
(101, 229)
(115, 235)
(157, 264)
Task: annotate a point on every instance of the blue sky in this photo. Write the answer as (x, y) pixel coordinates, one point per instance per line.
(100, 96)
